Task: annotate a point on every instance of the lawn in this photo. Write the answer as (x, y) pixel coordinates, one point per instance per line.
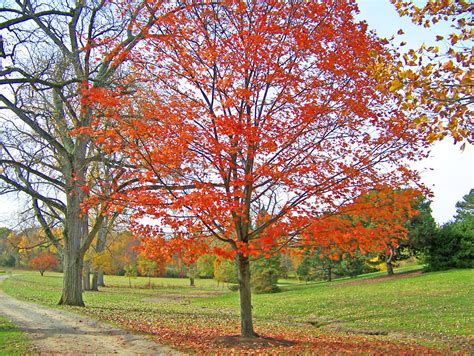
(12, 340)
(422, 311)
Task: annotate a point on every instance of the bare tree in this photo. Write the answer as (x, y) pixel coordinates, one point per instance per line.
(53, 51)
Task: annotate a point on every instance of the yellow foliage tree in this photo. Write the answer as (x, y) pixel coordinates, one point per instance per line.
(436, 82)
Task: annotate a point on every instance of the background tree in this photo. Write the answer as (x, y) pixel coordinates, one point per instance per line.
(320, 267)
(8, 251)
(465, 207)
(131, 271)
(453, 244)
(388, 212)
(452, 247)
(44, 261)
(436, 81)
(354, 265)
(121, 250)
(265, 273)
(205, 265)
(147, 268)
(192, 272)
(421, 229)
(254, 106)
(225, 271)
(288, 264)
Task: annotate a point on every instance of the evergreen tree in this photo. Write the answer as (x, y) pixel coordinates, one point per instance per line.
(453, 245)
(264, 274)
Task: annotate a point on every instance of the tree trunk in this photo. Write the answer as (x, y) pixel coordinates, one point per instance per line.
(86, 281)
(389, 267)
(246, 322)
(388, 260)
(76, 228)
(100, 278)
(41, 272)
(72, 282)
(329, 273)
(95, 282)
(191, 281)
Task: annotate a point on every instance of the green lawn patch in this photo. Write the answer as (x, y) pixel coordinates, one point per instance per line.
(12, 340)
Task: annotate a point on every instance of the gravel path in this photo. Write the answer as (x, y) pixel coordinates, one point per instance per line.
(59, 332)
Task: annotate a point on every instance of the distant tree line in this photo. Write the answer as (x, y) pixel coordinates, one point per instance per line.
(448, 246)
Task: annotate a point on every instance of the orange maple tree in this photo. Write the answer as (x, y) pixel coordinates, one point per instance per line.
(43, 261)
(375, 222)
(436, 81)
(244, 122)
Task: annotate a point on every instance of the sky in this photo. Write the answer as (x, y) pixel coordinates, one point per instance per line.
(448, 172)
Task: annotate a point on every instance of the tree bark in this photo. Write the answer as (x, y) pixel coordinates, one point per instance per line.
(95, 281)
(100, 278)
(246, 322)
(72, 281)
(388, 261)
(86, 281)
(76, 228)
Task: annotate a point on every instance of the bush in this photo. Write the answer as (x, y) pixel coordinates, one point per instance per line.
(233, 287)
(8, 261)
(452, 247)
(171, 272)
(264, 274)
(352, 266)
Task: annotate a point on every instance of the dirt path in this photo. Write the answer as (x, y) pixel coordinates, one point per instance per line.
(57, 331)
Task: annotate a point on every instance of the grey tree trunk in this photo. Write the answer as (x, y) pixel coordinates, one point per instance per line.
(95, 281)
(86, 281)
(72, 282)
(246, 323)
(100, 278)
(76, 230)
(388, 261)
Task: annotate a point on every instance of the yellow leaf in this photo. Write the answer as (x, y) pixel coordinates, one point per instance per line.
(395, 85)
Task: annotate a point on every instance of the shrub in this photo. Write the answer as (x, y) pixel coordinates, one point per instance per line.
(264, 274)
(452, 247)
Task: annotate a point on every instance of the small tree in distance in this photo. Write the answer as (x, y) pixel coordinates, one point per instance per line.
(130, 272)
(44, 261)
(147, 267)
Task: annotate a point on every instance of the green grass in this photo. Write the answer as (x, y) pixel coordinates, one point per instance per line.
(433, 308)
(12, 340)
(437, 303)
